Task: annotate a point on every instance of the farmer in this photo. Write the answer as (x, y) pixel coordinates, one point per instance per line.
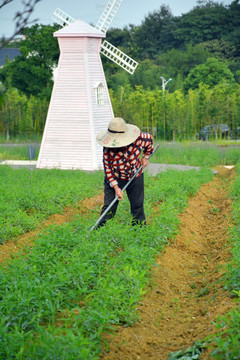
(122, 145)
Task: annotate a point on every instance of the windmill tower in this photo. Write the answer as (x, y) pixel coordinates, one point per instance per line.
(80, 105)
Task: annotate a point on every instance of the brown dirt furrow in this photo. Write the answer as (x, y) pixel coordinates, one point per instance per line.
(187, 295)
(11, 247)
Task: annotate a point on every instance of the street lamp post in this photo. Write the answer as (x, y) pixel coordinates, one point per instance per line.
(164, 83)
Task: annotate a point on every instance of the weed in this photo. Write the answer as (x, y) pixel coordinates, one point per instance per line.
(203, 292)
(190, 354)
(214, 210)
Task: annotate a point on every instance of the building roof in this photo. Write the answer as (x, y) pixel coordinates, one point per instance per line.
(79, 29)
(8, 53)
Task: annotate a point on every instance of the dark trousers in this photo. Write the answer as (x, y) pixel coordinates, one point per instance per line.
(135, 193)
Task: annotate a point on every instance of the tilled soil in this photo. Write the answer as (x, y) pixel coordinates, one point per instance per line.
(187, 295)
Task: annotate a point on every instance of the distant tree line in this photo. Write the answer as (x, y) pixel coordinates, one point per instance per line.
(169, 116)
(170, 46)
(179, 116)
(199, 50)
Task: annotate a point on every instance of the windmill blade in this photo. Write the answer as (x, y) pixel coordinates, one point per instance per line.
(108, 15)
(62, 18)
(118, 57)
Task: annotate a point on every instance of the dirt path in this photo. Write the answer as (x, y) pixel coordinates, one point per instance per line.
(186, 296)
(11, 247)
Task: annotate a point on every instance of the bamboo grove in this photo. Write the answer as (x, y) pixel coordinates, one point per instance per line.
(179, 116)
(168, 116)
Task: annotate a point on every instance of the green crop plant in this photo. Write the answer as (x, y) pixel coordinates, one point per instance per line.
(191, 353)
(227, 341)
(28, 197)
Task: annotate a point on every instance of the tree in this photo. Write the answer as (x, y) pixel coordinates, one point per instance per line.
(155, 33)
(123, 39)
(207, 21)
(232, 33)
(11, 109)
(147, 75)
(211, 73)
(220, 49)
(32, 71)
(179, 62)
(40, 42)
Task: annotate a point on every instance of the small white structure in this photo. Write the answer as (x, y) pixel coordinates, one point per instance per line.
(80, 105)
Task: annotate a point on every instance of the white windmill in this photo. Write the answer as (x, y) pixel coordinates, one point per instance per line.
(80, 104)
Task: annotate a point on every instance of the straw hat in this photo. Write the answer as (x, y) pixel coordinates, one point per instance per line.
(118, 134)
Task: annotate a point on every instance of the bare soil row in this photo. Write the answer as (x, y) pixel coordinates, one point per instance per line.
(187, 293)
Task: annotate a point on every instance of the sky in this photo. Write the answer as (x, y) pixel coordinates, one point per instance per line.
(130, 12)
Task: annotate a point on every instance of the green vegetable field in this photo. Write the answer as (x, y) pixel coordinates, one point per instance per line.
(60, 297)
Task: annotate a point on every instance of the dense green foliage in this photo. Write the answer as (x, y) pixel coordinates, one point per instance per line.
(175, 116)
(21, 115)
(28, 197)
(199, 50)
(177, 44)
(212, 72)
(31, 72)
(58, 298)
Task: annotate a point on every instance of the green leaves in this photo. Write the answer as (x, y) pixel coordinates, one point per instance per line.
(28, 197)
(211, 73)
(190, 354)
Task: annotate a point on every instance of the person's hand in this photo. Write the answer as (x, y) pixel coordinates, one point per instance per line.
(144, 162)
(118, 192)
